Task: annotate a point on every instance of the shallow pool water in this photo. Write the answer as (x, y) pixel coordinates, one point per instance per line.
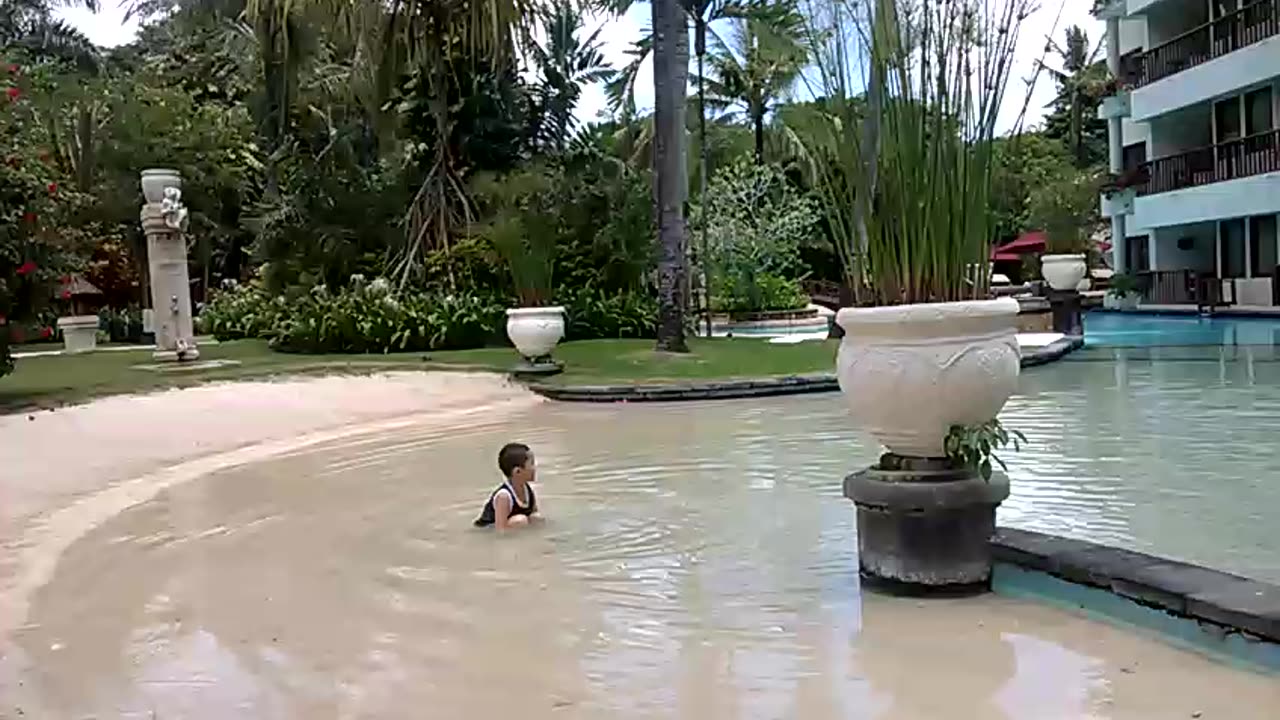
(698, 562)
(1113, 329)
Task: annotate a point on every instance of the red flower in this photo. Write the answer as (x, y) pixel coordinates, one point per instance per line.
(46, 332)
(26, 268)
(13, 93)
(13, 69)
(29, 217)
(53, 188)
(66, 294)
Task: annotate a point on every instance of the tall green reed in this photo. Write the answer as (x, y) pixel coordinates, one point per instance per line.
(901, 151)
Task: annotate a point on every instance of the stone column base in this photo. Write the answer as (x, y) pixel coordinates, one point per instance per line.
(187, 355)
(925, 527)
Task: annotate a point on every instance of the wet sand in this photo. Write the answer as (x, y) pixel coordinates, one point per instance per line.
(65, 471)
(694, 564)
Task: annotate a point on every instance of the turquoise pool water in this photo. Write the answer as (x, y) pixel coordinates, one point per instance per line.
(1111, 329)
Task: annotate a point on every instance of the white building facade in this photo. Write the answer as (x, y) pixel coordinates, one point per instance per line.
(1194, 146)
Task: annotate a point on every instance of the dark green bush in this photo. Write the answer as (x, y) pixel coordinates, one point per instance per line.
(597, 314)
(371, 317)
(367, 317)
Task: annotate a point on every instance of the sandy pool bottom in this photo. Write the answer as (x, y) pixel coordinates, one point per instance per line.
(691, 567)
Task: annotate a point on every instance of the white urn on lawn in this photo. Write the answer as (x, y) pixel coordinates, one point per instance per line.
(79, 332)
(535, 331)
(911, 372)
(1063, 272)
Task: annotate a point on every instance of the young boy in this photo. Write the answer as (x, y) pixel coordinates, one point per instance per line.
(513, 503)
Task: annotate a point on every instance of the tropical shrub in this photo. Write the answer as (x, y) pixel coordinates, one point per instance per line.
(748, 291)
(523, 228)
(242, 311)
(365, 317)
(593, 313)
(40, 239)
(373, 318)
(756, 223)
(1067, 210)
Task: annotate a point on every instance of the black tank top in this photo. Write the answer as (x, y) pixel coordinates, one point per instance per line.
(487, 516)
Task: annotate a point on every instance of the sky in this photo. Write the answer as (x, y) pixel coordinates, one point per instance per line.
(108, 29)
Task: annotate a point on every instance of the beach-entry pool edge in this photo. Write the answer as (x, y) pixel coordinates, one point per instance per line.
(1232, 618)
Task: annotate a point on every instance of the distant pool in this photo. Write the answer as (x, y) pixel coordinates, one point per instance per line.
(1112, 329)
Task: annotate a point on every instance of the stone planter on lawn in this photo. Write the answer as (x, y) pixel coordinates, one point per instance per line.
(79, 332)
(535, 331)
(909, 373)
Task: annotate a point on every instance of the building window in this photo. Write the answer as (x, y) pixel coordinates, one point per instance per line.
(1258, 112)
(1262, 245)
(1135, 155)
(1231, 248)
(1137, 254)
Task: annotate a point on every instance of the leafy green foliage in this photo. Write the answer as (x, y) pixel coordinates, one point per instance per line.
(41, 238)
(1067, 210)
(974, 447)
(756, 223)
(1082, 84)
(1123, 285)
(523, 228)
(594, 313)
(365, 317)
(1024, 163)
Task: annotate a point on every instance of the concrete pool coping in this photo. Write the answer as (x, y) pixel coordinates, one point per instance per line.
(750, 388)
(1224, 614)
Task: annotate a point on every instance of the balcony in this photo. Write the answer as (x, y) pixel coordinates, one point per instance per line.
(1246, 26)
(1253, 155)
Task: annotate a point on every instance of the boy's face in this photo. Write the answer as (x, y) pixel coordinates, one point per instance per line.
(527, 472)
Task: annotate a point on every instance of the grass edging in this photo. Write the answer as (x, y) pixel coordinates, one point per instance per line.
(748, 388)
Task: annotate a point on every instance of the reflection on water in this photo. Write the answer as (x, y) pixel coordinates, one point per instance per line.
(699, 563)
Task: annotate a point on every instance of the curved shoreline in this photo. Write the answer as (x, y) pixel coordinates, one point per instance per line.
(749, 388)
(39, 524)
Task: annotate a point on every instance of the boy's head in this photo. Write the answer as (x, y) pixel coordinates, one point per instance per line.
(515, 460)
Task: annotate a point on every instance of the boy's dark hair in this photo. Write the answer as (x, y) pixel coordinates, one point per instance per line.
(512, 456)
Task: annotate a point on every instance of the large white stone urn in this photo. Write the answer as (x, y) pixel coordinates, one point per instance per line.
(910, 372)
(1063, 272)
(79, 332)
(535, 330)
(155, 180)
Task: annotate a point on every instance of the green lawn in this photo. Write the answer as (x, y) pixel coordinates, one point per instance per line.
(59, 380)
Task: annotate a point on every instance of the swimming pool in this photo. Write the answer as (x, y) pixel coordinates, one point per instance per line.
(1113, 329)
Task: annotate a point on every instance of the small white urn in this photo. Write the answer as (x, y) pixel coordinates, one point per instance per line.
(155, 180)
(910, 372)
(535, 330)
(1063, 272)
(79, 332)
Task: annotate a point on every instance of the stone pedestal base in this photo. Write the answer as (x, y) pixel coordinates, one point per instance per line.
(925, 527)
(538, 367)
(187, 355)
(1065, 306)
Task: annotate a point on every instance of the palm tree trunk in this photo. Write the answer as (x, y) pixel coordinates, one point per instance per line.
(670, 79)
(700, 46)
(757, 119)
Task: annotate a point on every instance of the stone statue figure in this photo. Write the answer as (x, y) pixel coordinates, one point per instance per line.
(171, 207)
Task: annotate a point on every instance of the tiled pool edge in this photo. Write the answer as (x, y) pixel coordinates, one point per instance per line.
(1225, 615)
(762, 387)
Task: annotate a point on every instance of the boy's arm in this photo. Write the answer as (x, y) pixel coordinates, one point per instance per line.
(501, 509)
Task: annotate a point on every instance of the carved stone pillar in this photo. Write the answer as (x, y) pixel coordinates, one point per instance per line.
(163, 223)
